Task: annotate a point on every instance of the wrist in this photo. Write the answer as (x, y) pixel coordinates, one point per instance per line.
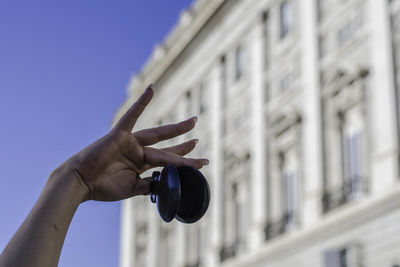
(66, 179)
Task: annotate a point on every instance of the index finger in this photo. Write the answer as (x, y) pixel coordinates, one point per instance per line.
(151, 136)
(129, 119)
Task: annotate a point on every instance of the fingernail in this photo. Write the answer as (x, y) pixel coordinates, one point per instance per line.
(150, 87)
(196, 141)
(205, 161)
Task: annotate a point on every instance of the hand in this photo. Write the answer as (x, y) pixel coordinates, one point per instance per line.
(109, 169)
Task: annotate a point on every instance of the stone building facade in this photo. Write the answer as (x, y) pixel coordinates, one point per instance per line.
(299, 114)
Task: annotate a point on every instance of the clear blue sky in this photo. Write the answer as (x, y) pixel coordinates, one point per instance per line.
(64, 67)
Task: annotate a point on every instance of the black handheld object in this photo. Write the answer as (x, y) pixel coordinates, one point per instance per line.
(180, 192)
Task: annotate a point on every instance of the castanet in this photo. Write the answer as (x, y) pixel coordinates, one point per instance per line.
(181, 192)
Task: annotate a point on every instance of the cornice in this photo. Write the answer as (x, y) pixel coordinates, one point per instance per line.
(190, 23)
(335, 223)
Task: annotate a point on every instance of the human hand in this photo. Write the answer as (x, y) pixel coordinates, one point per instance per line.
(109, 169)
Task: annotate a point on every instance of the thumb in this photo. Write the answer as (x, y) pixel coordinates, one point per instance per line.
(142, 186)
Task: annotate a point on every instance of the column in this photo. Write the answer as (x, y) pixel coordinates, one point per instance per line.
(258, 172)
(127, 234)
(311, 124)
(216, 164)
(381, 109)
(180, 244)
(153, 237)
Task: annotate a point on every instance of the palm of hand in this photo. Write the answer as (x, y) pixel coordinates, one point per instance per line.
(109, 169)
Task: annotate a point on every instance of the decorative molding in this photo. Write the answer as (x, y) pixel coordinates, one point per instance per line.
(347, 218)
(190, 23)
(341, 77)
(283, 120)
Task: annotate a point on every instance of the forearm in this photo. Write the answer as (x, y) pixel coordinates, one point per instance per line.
(109, 170)
(38, 242)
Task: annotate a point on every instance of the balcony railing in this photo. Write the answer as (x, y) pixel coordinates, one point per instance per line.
(195, 264)
(276, 228)
(348, 191)
(227, 252)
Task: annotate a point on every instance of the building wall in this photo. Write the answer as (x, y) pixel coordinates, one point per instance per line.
(298, 108)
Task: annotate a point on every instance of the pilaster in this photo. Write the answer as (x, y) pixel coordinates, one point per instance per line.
(311, 188)
(127, 241)
(381, 97)
(216, 164)
(258, 172)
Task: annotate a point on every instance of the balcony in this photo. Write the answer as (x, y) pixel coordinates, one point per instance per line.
(350, 190)
(195, 264)
(227, 252)
(279, 227)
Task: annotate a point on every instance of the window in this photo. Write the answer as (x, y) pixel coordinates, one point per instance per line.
(321, 47)
(164, 258)
(235, 205)
(240, 216)
(351, 137)
(335, 259)
(289, 187)
(350, 28)
(285, 18)
(287, 81)
(230, 221)
(290, 190)
(283, 173)
(352, 163)
(267, 92)
(345, 33)
(141, 244)
(351, 145)
(395, 28)
(320, 10)
(265, 21)
(224, 93)
(345, 145)
(223, 80)
(192, 246)
(343, 257)
(239, 62)
(236, 217)
(188, 103)
(202, 98)
(141, 229)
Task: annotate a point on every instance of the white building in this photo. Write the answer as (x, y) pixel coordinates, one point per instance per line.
(299, 114)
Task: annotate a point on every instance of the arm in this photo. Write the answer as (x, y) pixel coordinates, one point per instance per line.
(107, 170)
